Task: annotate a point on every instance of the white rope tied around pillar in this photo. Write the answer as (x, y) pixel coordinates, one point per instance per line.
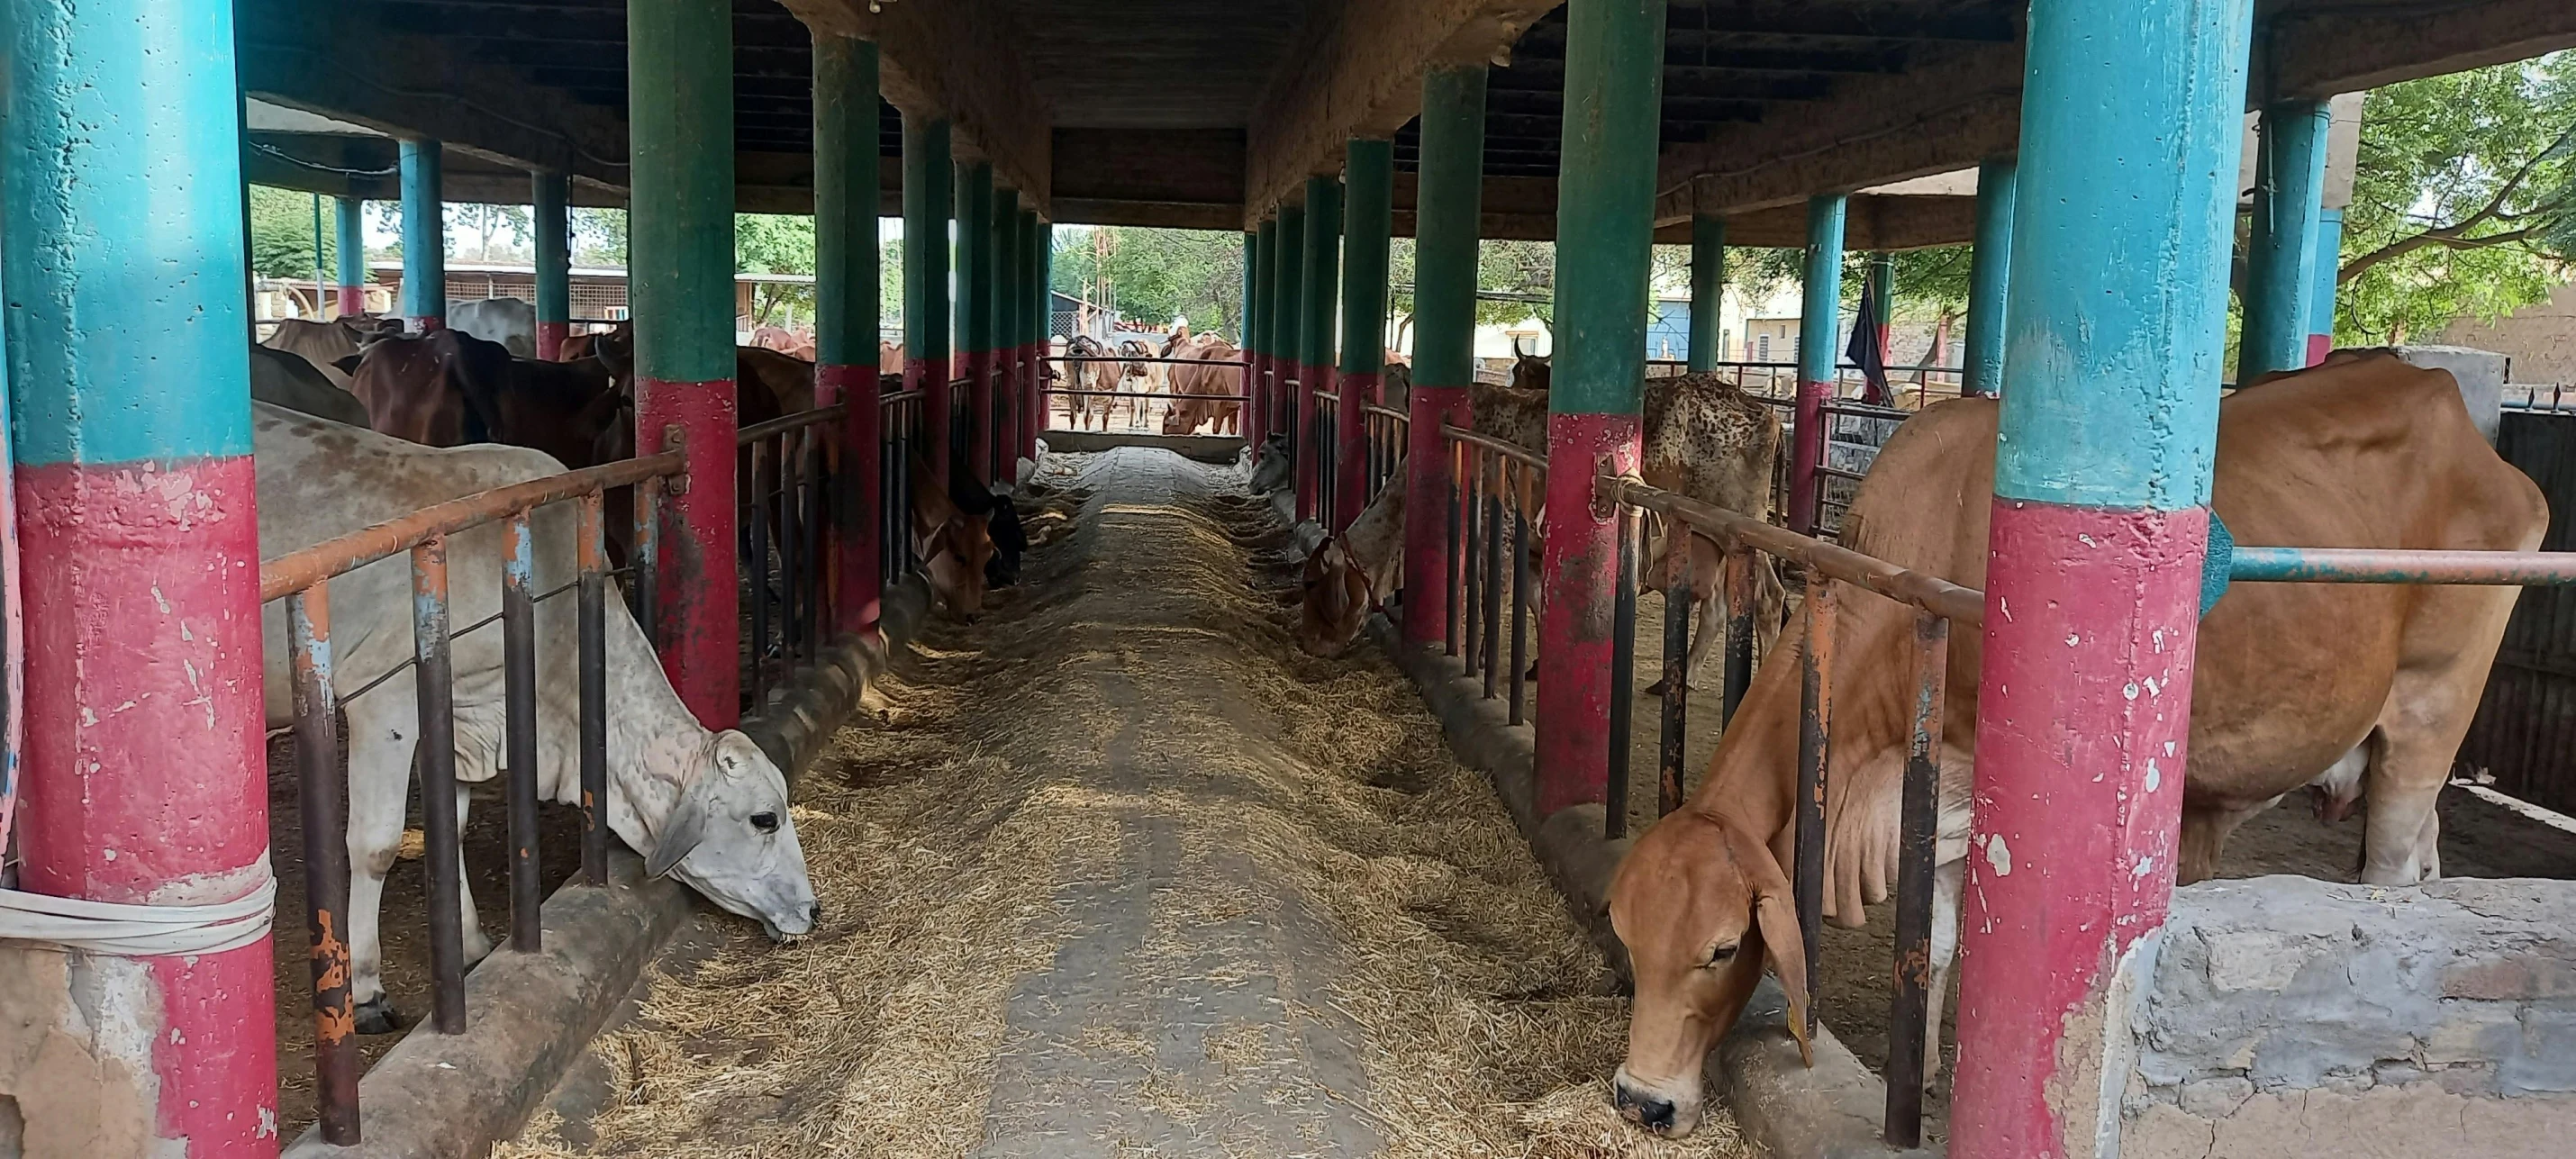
(141, 931)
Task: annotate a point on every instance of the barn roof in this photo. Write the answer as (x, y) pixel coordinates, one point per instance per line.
(1206, 113)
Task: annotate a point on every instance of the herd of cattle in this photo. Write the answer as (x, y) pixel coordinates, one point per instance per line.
(2349, 690)
(356, 422)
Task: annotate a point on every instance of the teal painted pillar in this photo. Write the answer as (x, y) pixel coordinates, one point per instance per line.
(2103, 463)
(974, 305)
(1248, 418)
(680, 232)
(1316, 329)
(2329, 275)
(846, 309)
(1448, 202)
(1008, 304)
(424, 234)
(1258, 421)
(131, 543)
(351, 242)
(2281, 254)
(550, 220)
(1288, 314)
(1369, 221)
(1708, 291)
(1605, 235)
(926, 201)
(1989, 277)
(1819, 324)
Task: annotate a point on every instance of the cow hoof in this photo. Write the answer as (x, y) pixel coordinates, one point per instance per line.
(378, 1016)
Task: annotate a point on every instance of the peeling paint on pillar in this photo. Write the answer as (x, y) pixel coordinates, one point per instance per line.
(846, 309)
(351, 251)
(1315, 363)
(135, 511)
(2107, 433)
(1818, 329)
(551, 195)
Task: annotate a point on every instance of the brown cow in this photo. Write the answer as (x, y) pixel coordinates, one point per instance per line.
(448, 388)
(1094, 376)
(953, 545)
(889, 357)
(1191, 381)
(324, 344)
(2293, 683)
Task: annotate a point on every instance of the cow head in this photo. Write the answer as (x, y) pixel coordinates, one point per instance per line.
(730, 838)
(955, 558)
(1273, 467)
(1699, 904)
(1336, 601)
(1529, 371)
(1182, 419)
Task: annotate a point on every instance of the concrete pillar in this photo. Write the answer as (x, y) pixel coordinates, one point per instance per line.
(680, 228)
(350, 238)
(1819, 326)
(1708, 291)
(551, 218)
(974, 362)
(1287, 323)
(1989, 277)
(1446, 207)
(2109, 422)
(926, 197)
(1315, 332)
(1042, 243)
(2328, 272)
(1605, 235)
(424, 238)
(1370, 219)
(845, 315)
(2281, 254)
(131, 546)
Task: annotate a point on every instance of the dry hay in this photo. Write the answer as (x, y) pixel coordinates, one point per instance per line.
(943, 842)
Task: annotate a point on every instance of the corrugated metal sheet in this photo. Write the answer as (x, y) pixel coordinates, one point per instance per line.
(2525, 732)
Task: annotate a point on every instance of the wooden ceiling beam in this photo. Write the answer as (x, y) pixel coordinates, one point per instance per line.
(1355, 70)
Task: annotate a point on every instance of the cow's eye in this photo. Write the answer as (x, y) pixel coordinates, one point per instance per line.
(1719, 956)
(765, 822)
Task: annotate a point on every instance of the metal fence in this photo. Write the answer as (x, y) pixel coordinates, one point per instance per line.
(1228, 406)
(1496, 490)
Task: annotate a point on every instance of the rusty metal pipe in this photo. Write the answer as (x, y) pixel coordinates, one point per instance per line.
(434, 683)
(1743, 604)
(295, 571)
(1676, 716)
(519, 731)
(1821, 560)
(326, 865)
(1623, 678)
(1815, 753)
(800, 420)
(2337, 565)
(592, 608)
(1918, 832)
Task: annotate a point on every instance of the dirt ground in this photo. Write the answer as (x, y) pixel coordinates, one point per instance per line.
(1116, 871)
(405, 920)
(2479, 839)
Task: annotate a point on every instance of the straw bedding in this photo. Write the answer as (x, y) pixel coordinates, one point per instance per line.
(1139, 685)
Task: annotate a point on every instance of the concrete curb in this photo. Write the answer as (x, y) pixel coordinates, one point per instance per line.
(530, 1016)
(1218, 449)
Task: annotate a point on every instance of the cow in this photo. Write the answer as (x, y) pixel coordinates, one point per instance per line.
(1703, 438)
(284, 379)
(1091, 376)
(1529, 371)
(1395, 388)
(778, 338)
(511, 322)
(1192, 381)
(953, 545)
(705, 807)
(1147, 376)
(889, 357)
(2294, 684)
(324, 344)
(1002, 522)
(1350, 575)
(448, 388)
(1274, 466)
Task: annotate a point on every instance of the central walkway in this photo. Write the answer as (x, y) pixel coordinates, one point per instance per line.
(1118, 872)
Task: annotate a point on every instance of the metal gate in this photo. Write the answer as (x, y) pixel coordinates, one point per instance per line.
(2525, 732)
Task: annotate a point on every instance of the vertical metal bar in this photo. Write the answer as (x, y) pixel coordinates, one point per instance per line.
(1471, 564)
(592, 550)
(1454, 553)
(1743, 603)
(519, 730)
(326, 865)
(1815, 724)
(1623, 678)
(758, 565)
(435, 682)
(791, 538)
(816, 504)
(1493, 545)
(1520, 607)
(648, 556)
(1677, 620)
(1918, 824)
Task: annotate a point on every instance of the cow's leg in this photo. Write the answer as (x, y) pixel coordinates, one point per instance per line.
(2419, 730)
(2204, 833)
(477, 946)
(380, 751)
(1948, 879)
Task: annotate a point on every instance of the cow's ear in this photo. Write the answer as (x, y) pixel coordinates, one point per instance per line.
(687, 827)
(1780, 935)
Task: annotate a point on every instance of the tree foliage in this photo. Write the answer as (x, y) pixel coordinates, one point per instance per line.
(1155, 275)
(2464, 202)
(775, 243)
(281, 234)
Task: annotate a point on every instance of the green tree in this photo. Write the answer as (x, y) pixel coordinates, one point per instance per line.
(281, 234)
(767, 243)
(1155, 275)
(598, 237)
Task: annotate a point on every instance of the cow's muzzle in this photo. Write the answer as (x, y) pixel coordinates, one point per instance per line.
(1650, 1109)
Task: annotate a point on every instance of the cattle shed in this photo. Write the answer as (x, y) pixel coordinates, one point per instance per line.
(1106, 848)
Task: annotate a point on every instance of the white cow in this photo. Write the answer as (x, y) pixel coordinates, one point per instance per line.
(705, 806)
(508, 321)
